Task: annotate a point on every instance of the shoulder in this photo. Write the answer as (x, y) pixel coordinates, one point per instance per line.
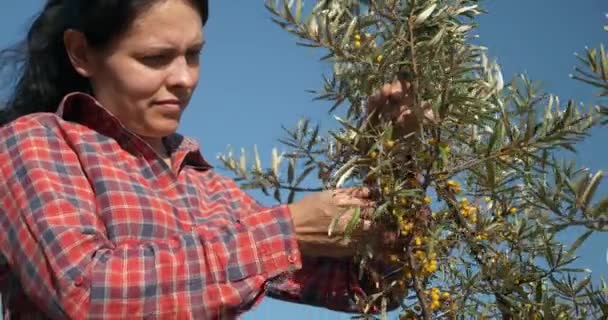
(36, 125)
(32, 138)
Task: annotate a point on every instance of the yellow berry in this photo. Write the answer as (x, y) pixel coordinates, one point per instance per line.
(389, 144)
(513, 210)
(427, 199)
(358, 37)
(445, 295)
(455, 186)
(357, 43)
(379, 58)
(435, 305)
(418, 241)
(464, 213)
(487, 199)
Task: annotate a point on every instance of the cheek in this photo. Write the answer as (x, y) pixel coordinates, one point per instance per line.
(141, 84)
(130, 81)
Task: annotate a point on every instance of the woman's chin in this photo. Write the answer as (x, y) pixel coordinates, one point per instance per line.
(161, 129)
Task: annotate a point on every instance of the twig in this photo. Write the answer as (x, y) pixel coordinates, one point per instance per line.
(426, 313)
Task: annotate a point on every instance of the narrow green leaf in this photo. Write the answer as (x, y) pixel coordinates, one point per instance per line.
(601, 208)
(243, 162)
(313, 138)
(578, 242)
(354, 221)
(539, 291)
(303, 175)
(258, 162)
(591, 187)
(531, 124)
(425, 14)
(334, 222)
(347, 38)
(582, 284)
(298, 10)
(290, 170)
(287, 12)
(603, 63)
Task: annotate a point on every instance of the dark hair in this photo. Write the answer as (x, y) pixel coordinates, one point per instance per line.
(43, 72)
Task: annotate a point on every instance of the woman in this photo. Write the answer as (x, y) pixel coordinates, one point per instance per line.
(107, 212)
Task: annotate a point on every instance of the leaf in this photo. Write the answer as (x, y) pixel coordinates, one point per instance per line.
(243, 162)
(354, 221)
(491, 174)
(349, 32)
(303, 175)
(601, 208)
(350, 163)
(603, 63)
(582, 284)
(539, 291)
(276, 161)
(578, 242)
(258, 163)
(591, 187)
(290, 170)
(345, 177)
(313, 138)
(287, 11)
(422, 16)
(298, 10)
(497, 137)
(531, 124)
(334, 222)
(277, 194)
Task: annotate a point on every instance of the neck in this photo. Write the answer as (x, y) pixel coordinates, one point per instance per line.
(159, 147)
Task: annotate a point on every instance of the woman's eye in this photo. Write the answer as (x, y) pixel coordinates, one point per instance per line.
(156, 60)
(193, 56)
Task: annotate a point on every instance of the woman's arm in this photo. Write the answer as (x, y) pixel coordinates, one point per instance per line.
(56, 243)
(327, 282)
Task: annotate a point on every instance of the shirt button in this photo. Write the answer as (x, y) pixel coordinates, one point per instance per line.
(79, 281)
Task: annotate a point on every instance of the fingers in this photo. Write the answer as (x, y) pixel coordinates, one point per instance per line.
(360, 192)
(345, 201)
(378, 99)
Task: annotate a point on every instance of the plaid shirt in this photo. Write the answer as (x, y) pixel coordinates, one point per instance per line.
(94, 224)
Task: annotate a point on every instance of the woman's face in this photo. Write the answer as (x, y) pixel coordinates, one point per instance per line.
(147, 75)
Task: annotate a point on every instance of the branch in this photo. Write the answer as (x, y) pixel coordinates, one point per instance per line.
(426, 313)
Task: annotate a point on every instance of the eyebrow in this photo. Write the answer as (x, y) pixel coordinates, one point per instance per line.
(169, 48)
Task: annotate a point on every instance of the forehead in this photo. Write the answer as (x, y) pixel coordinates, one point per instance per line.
(175, 22)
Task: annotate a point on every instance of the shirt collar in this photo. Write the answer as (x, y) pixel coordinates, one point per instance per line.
(84, 109)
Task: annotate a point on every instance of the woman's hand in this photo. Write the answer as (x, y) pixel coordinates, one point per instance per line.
(314, 213)
(395, 102)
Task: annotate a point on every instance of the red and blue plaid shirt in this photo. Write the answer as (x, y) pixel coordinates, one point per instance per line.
(94, 224)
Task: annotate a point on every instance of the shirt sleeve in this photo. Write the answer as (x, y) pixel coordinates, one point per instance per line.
(57, 245)
(322, 281)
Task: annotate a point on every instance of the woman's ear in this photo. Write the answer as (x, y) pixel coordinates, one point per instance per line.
(78, 52)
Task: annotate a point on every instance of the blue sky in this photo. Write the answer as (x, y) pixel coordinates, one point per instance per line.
(254, 78)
